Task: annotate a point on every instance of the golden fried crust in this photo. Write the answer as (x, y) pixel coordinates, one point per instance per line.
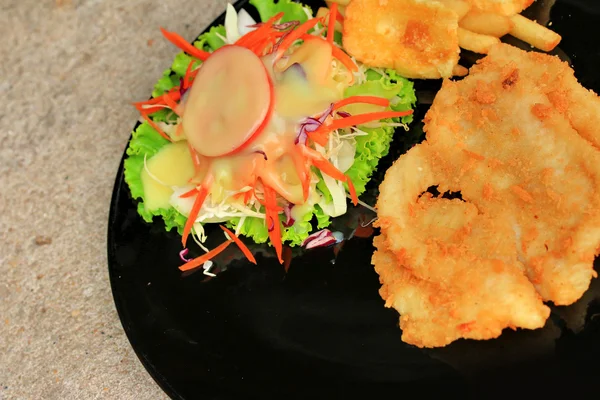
(504, 7)
(529, 173)
(476, 302)
(417, 38)
(526, 156)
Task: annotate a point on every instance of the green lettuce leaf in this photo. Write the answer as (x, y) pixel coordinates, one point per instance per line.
(294, 235)
(292, 11)
(146, 141)
(372, 147)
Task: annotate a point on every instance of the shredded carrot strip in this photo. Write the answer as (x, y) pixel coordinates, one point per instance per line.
(159, 101)
(189, 193)
(240, 244)
(194, 155)
(378, 101)
(149, 110)
(323, 164)
(180, 42)
(275, 233)
(326, 167)
(340, 18)
(333, 11)
(295, 35)
(172, 105)
(202, 193)
(352, 191)
(178, 130)
(303, 174)
(196, 262)
(247, 196)
(186, 78)
(344, 59)
(260, 47)
(251, 38)
(321, 133)
(263, 203)
(153, 124)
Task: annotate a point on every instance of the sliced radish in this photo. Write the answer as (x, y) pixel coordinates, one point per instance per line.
(229, 104)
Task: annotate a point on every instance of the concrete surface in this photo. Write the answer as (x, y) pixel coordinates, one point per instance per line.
(68, 73)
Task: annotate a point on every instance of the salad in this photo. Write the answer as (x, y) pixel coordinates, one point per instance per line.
(267, 128)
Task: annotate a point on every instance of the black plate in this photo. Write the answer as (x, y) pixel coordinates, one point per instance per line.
(320, 330)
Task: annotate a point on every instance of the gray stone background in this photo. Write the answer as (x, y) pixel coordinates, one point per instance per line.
(69, 70)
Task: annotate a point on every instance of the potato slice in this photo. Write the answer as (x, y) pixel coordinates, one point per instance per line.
(476, 42)
(486, 23)
(460, 7)
(533, 33)
(418, 39)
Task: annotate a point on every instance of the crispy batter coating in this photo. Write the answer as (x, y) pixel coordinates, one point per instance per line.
(449, 270)
(417, 38)
(525, 162)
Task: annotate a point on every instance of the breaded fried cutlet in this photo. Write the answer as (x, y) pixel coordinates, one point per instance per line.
(419, 39)
(526, 163)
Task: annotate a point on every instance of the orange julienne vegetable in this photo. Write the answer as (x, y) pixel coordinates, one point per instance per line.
(352, 191)
(251, 38)
(333, 11)
(320, 134)
(194, 155)
(240, 244)
(326, 167)
(378, 101)
(187, 78)
(270, 208)
(172, 105)
(189, 193)
(303, 173)
(296, 34)
(158, 101)
(180, 42)
(344, 59)
(196, 262)
(202, 193)
(247, 196)
(156, 127)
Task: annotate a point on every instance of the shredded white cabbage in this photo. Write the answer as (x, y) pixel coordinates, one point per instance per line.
(214, 212)
(232, 31)
(244, 22)
(199, 236)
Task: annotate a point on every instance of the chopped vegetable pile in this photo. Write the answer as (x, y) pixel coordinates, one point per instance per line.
(264, 127)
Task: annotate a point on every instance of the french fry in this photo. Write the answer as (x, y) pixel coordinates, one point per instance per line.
(533, 33)
(486, 23)
(460, 7)
(476, 42)
(459, 70)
